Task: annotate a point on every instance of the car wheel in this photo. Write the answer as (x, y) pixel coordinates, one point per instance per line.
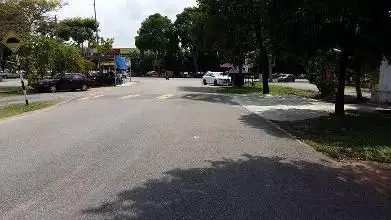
(215, 82)
(5, 77)
(204, 82)
(53, 89)
(84, 87)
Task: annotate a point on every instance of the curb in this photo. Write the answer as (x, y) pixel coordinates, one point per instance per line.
(288, 134)
(272, 123)
(36, 111)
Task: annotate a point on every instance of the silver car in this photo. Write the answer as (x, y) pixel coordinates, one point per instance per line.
(7, 75)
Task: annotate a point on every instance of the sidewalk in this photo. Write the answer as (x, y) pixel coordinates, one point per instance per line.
(292, 108)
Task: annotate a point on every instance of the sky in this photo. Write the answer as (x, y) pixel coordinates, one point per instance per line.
(121, 19)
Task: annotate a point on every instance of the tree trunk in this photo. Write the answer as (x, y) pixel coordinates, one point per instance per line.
(358, 87)
(340, 97)
(195, 59)
(1, 57)
(240, 76)
(265, 72)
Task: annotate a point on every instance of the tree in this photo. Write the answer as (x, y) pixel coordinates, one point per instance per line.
(25, 16)
(189, 26)
(104, 45)
(232, 30)
(344, 26)
(78, 29)
(156, 35)
(40, 55)
(356, 29)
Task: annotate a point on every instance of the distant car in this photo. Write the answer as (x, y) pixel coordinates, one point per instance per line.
(216, 78)
(152, 73)
(68, 81)
(8, 75)
(287, 78)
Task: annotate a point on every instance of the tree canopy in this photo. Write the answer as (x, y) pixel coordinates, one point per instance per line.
(26, 16)
(78, 29)
(155, 34)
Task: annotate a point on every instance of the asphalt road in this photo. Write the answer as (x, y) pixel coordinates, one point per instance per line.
(168, 150)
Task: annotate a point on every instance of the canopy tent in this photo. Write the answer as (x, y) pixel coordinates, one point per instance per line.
(120, 63)
(226, 65)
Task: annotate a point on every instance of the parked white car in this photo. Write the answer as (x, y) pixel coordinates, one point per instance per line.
(216, 78)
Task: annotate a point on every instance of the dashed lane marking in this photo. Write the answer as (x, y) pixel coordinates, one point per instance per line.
(167, 96)
(98, 96)
(129, 96)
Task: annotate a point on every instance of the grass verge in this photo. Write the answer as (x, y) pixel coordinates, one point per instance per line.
(13, 91)
(16, 109)
(274, 90)
(360, 136)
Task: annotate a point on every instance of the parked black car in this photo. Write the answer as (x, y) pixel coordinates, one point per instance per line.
(102, 79)
(68, 81)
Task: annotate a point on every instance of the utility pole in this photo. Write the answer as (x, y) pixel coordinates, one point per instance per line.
(97, 35)
(96, 21)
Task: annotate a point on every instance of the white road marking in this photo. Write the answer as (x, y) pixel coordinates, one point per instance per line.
(98, 96)
(81, 99)
(129, 96)
(167, 96)
(126, 84)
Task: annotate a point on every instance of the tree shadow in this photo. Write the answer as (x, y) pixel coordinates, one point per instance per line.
(212, 98)
(250, 188)
(290, 114)
(257, 122)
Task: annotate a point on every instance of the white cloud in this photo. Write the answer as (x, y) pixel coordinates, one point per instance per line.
(122, 18)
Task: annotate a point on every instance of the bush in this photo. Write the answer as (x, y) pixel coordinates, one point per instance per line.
(323, 68)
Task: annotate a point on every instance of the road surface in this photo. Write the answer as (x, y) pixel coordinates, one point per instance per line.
(168, 150)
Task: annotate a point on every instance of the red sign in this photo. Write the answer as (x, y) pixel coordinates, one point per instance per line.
(115, 51)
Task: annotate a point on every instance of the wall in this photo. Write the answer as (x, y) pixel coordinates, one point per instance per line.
(383, 95)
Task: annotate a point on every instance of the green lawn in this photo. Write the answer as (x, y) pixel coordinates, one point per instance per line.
(274, 90)
(16, 109)
(362, 136)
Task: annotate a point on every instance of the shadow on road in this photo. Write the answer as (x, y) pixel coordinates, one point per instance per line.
(210, 98)
(254, 121)
(250, 188)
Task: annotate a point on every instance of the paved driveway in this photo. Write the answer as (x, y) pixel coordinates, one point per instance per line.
(169, 150)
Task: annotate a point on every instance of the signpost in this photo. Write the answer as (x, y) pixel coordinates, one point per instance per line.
(13, 42)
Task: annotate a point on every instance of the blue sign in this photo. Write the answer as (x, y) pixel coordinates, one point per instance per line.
(120, 63)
